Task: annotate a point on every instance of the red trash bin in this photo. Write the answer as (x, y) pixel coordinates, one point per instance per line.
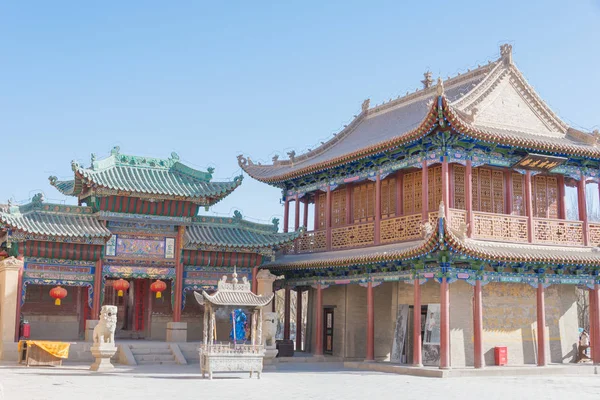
(500, 355)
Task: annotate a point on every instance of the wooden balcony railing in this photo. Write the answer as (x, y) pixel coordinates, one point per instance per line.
(353, 236)
(557, 231)
(501, 227)
(594, 233)
(399, 229)
(486, 226)
(312, 242)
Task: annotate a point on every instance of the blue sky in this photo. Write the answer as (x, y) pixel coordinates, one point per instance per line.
(210, 80)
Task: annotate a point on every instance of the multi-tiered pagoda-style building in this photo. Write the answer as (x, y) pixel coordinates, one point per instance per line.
(137, 221)
(443, 226)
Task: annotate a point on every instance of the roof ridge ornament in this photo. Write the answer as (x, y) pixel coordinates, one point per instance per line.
(428, 80)
(440, 86)
(506, 53)
(365, 105)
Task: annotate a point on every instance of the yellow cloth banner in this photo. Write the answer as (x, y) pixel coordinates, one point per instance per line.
(57, 349)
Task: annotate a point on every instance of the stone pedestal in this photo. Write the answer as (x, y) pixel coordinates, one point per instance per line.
(9, 283)
(90, 324)
(102, 353)
(270, 358)
(177, 332)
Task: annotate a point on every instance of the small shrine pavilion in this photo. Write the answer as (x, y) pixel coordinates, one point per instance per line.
(447, 222)
(134, 240)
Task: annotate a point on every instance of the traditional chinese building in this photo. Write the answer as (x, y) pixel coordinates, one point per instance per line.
(136, 230)
(447, 222)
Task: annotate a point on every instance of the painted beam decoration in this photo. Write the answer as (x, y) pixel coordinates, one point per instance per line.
(52, 272)
(124, 271)
(539, 162)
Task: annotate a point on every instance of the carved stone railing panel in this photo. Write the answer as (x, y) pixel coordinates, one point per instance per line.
(594, 234)
(501, 227)
(457, 217)
(312, 241)
(407, 227)
(353, 236)
(557, 231)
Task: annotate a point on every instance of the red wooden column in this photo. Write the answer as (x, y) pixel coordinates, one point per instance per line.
(254, 280)
(445, 186)
(297, 214)
(417, 356)
(424, 193)
(286, 215)
(328, 217)
(319, 321)
(286, 314)
(478, 326)
(377, 207)
(591, 323)
(595, 323)
(562, 204)
(469, 198)
(370, 323)
(509, 191)
(316, 216)
(444, 325)
(541, 326)
(305, 216)
(581, 200)
(97, 290)
(299, 319)
(178, 274)
(529, 206)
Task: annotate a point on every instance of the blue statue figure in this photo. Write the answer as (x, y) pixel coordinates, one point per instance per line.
(240, 326)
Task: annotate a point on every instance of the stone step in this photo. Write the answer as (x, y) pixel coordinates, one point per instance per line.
(144, 351)
(163, 362)
(155, 358)
(148, 345)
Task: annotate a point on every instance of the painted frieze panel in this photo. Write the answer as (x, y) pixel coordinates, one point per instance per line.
(131, 246)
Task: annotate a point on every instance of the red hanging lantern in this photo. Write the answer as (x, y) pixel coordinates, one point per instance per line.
(58, 293)
(121, 285)
(158, 287)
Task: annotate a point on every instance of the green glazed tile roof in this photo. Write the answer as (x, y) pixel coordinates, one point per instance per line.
(53, 220)
(146, 175)
(235, 232)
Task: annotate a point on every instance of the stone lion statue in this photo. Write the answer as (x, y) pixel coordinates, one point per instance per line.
(104, 332)
(269, 328)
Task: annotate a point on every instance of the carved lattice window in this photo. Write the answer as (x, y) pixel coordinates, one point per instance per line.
(363, 202)
(545, 196)
(338, 208)
(518, 193)
(388, 198)
(434, 189)
(488, 190)
(322, 205)
(411, 193)
(459, 187)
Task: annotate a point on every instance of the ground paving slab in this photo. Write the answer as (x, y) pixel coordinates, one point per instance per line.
(289, 381)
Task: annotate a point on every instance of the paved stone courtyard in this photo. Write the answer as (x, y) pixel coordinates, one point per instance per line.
(308, 381)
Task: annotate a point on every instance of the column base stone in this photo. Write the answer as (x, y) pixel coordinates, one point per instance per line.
(177, 332)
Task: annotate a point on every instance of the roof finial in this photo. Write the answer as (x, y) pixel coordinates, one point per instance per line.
(365, 105)
(440, 87)
(506, 53)
(234, 276)
(428, 81)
